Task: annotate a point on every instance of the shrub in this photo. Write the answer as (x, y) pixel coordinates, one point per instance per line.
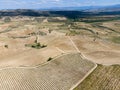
(43, 46)
(36, 45)
(6, 46)
(49, 59)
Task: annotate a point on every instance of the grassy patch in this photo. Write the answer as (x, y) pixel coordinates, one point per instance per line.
(36, 45)
(6, 30)
(116, 39)
(72, 33)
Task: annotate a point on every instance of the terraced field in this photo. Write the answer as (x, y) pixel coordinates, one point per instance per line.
(59, 74)
(103, 78)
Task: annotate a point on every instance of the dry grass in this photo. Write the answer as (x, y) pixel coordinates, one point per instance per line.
(88, 38)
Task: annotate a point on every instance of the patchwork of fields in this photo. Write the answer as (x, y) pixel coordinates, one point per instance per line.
(57, 53)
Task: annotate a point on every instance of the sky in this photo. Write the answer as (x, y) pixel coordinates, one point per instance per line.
(37, 4)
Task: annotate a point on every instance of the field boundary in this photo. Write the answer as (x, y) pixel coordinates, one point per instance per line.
(36, 66)
(60, 50)
(73, 87)
(74, 45)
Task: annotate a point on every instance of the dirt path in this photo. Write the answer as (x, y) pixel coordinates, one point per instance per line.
(82, 55)
(60, 50)
(74, 45)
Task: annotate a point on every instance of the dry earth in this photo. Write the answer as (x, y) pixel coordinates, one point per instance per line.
(97, 42)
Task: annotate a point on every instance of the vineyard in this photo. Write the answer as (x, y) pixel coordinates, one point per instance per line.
(59, 74)
(103, 78)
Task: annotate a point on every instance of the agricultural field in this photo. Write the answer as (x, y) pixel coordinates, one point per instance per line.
(59, 53)
(61, 73)
(24, 38)
(102, 78)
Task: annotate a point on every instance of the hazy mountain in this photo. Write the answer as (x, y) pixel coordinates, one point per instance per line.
(85, 8)
(71, 8)
(82, 8)
(70, 12)
(105, 8)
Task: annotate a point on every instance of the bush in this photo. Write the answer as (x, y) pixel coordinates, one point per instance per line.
(36, 45)
(49, 59)
(6, 46)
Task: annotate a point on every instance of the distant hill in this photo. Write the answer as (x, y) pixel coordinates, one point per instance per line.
(105, 8)
(69, 12)
(86, 8)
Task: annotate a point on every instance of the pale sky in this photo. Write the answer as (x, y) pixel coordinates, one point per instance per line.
(37, 4)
